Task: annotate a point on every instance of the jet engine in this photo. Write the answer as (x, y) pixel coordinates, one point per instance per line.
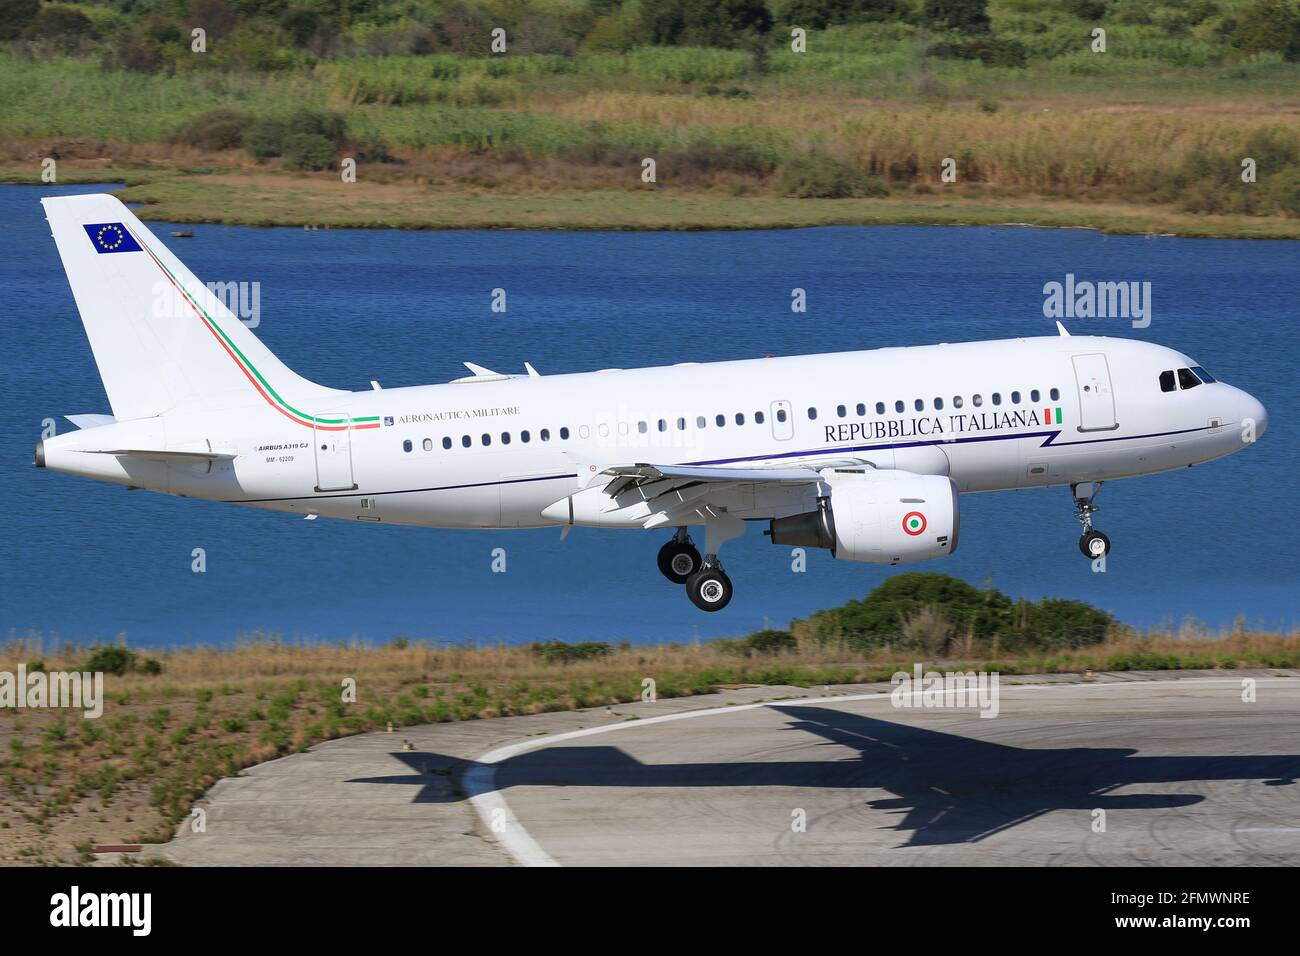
(879, 517)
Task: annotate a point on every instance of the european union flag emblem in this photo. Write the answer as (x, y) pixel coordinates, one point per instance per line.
(111, 237)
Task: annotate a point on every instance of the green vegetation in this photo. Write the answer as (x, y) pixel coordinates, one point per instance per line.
(938, 614)
(1012, 90)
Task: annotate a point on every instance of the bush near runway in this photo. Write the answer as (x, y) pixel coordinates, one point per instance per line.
(175, 722)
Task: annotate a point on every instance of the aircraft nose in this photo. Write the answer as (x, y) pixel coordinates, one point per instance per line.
(1256, 412)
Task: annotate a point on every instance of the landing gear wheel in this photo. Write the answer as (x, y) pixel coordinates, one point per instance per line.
(678, 560)
(1094, 544)
(709, 590)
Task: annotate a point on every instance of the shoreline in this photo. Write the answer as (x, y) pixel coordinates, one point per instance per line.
(263, 198)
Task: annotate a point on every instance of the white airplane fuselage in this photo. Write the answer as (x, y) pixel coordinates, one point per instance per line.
(507, 482)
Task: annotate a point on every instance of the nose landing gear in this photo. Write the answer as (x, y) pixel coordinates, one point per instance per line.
(1092, 544)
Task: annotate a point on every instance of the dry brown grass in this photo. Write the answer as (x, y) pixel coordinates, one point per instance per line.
(67, 783)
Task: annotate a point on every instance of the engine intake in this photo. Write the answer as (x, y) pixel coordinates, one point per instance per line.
(878, 517)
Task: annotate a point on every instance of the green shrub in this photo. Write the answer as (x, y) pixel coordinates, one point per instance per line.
(558, 652)
(770, 641)
(110, 660)
(217, 129)
(308, 151)
(817, 176)
(274, 136)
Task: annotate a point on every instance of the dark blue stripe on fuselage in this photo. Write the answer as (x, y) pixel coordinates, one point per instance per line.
(1049, 442)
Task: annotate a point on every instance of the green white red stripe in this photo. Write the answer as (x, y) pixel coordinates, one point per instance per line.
(259, 382)
(1048, 418)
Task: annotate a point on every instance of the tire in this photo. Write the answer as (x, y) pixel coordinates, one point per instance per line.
(709, 590)
(673, 559)
(1094, 544)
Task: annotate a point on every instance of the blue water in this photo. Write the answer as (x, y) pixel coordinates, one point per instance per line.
(83, 561)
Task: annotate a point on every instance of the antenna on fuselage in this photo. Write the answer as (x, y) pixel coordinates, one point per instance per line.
(1060, 328)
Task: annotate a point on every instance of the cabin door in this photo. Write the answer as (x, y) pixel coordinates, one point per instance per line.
(332, 442)
(1096, 401)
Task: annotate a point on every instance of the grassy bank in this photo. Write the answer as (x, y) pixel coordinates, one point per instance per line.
(260, 198)
(1148, 138)
(164, 738)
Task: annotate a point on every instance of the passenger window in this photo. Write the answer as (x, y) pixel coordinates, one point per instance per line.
(505, 438)
(880, 408)
(977, 400)
(938, 404)
(642, 427)
(564, 432)
(487, 440)
(740, 418)
(544, 434)
(1167, 381)
(759, 418)
(428, 444)
(841, 411)
(812, 414)
(1186, 379)
(997, 398)
(956, 401)
(446, 442)
(681, 424)
(525, 437)
(406, 445)
(780, 415)
(1056, 394)
(466, 441)
(919, 405)
(720, 420)
(663, 425)
(898, 405)
(701, 421)
(1015, 398)
(1203, 375)
(861, 409)
(1033, 395)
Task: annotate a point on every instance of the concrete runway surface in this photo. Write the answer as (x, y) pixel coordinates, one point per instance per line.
(1178, 768)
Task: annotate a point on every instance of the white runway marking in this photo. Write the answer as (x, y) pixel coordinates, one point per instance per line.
(480, 781)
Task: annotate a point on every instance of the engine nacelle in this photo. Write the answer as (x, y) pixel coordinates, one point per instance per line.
(880, 517)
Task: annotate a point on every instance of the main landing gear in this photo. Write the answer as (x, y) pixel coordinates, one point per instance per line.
(1092, 544)
(707, 585)
(679, 559)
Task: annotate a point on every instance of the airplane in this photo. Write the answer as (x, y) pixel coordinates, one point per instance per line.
(862, 453)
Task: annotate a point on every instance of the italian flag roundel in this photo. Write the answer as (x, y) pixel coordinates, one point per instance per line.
(914, 523)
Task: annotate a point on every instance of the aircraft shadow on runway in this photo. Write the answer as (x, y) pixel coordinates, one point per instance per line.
(948, 788)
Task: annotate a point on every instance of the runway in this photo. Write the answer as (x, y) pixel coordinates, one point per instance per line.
(1125, 769)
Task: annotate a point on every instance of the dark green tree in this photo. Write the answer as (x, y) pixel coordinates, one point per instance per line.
(965, 16)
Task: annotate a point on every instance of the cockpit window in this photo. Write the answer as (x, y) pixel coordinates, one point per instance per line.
(1167, 381)
(1203, 375)
(1186, 379)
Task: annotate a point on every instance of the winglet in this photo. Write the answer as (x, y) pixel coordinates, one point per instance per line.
(1060, 328)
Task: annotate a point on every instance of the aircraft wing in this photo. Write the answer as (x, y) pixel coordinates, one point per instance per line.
(626, 477)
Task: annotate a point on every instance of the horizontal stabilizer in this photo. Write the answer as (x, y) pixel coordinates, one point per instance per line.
(163, 454)
(90, 421)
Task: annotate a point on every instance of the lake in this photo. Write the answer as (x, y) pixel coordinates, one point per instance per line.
(83, 561)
